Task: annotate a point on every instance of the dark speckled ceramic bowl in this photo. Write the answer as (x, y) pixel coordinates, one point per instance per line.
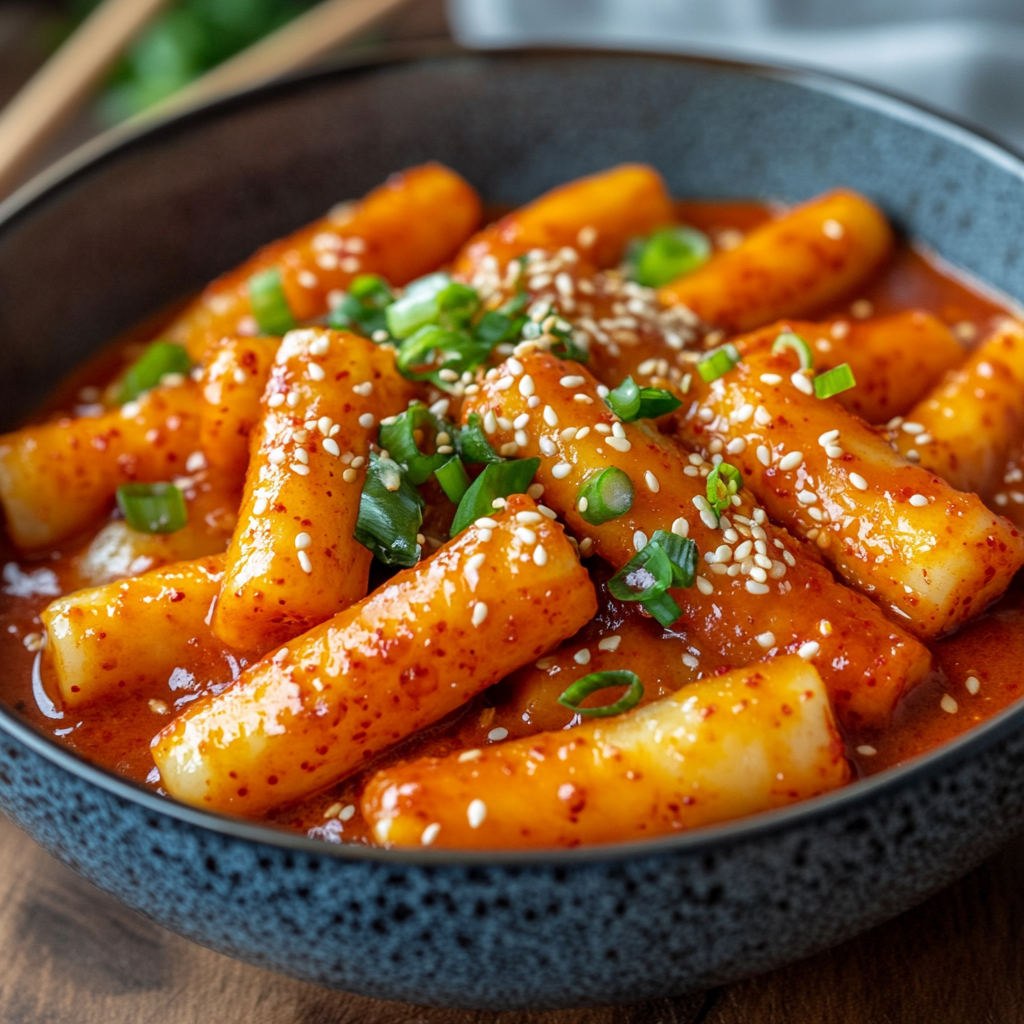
(99, 245)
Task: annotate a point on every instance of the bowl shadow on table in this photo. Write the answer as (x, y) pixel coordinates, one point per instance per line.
(73, 953)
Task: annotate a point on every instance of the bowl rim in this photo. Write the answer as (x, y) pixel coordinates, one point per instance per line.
(111, 145)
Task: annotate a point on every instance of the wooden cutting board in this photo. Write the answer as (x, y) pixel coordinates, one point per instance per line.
(71, 954)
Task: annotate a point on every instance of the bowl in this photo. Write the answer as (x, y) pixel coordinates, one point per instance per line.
(111, 236)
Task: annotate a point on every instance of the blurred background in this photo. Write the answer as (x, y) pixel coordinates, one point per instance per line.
(963, 56)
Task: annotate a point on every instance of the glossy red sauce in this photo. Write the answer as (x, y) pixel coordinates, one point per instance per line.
(978, 673)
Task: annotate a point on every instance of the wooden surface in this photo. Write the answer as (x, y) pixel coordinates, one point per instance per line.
(69, 953)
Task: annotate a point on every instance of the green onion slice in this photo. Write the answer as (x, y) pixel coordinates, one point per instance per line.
(668, 254)
(453, 478)
(682, 553)
(364, 306)
(160, 359)
(498, 480)
(647, 574)
(471, 442)
(835, 381)
(596, 681)
(434, 299)
(718, 363)
(605, 495)
(402, 439)
(435, 354)
(152, 508)
(631, 402)
(724, 481)
(390, 513)
(269, 304)
(793, 342)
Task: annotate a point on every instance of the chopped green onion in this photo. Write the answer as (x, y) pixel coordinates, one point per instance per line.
(439, 355)
(718, 363)
(723, 482)
(793, 342)
(645, 578)
(152, 508)
(835, 381)
(495, 327)
(364, 306)
(471, 442)
(390, 513)
(596, 681)
(160, 359)
(269, 303)
(605, 495)
(498, 480)
(453, 478)
(399, 439)
(682, 553)
(434, 299)
(631, 402)
(668, 254)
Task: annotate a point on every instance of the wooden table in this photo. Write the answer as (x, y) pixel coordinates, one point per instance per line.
(73, 954)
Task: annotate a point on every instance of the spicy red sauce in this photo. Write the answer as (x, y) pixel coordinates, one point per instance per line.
(978, 671)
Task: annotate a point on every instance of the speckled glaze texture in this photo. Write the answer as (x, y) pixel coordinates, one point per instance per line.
(109, 240)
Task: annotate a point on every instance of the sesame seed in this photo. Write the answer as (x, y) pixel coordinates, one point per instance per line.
(705, 585)
(806, 497)
(923, 439)
(652, 482)
(833, 451)
(540, 556)
(858, 481)
(476, 813)
(429, 834)
(690, 661)
(832, 229)
(609, 643)
(550, 416)
(770, 378)
(791, 461)
(743, 413)
(639, 540)
(802, 383)
(333, 811)
(474, 562)
(829, 437)
(299, 468)
(358, 462)
(260, 506)
(522, 439)
(301, 455)
(307, 565)
(766, 640)
(571, 382)
(912, 428)
(526, 535)
(469, 755)
(585, 399)
(561, 470)
(681, 527)
(519, 422)
(758, 574)
(479, 613)
(292, 399)
(973, 684)
(582, 433)
(302, 541)
(825, 627)
(486, 523)
(275, 400)
(865, 750)
(586, 546)
(620, 444)
(367, 420)
(349, 475)
(743, 550)
(709, 519)
(582, 657)
(919, 500)
(753, 587)
(526, 386)
(764, 456)
(504, 383)
(515, 367)
(546, 512)
(315, 371)
(762, 417)
(330, 446)
(736, 446)
(509, 448)
(948, 704)
(809, 649)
